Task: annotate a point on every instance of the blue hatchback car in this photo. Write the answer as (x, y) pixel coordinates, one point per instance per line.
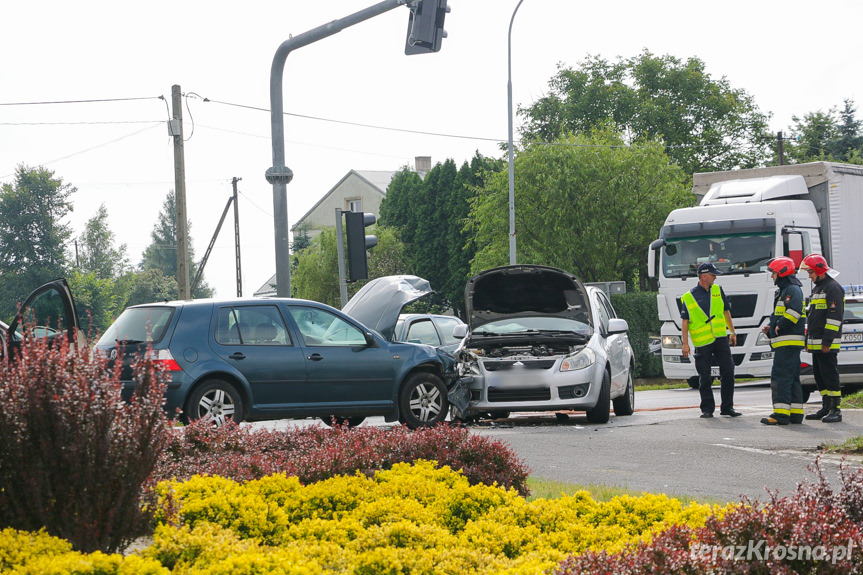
(272, 358)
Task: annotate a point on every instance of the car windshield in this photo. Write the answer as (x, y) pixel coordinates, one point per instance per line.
(853, 312)
(138, 325)
(730, 253)
(536, 324)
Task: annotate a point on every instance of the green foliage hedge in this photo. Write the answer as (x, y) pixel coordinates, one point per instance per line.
(639, 311)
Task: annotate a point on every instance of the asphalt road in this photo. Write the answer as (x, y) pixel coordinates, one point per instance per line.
(665, 447)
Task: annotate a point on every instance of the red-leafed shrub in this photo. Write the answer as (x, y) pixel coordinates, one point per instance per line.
(73, 455)
(813, 531)
(315, 453)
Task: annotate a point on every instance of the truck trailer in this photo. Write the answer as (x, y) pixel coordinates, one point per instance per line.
(743, 219)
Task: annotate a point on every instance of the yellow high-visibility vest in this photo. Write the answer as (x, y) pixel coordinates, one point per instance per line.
(704, 330)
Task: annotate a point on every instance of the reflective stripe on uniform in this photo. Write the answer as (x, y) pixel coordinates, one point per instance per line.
(788, 340)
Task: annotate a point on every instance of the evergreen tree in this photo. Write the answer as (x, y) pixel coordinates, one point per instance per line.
(161, 254)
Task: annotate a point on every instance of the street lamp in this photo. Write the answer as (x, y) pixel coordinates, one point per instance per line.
(511, 166)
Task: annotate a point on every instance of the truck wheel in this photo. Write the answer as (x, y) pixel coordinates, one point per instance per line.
(625, 404)
(423, 401)
(602, 410)
(216, 401)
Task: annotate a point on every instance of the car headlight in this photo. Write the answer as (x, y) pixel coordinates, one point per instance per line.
(672, 342)
(762, 339)
(584, 358)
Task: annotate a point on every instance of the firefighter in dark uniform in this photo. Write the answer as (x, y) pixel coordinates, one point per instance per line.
(706, 317)
(823, 336)
(787, 337)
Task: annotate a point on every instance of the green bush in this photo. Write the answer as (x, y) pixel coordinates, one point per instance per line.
(639, 311)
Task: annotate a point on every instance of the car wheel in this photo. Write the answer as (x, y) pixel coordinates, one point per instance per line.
(693, 382)
(625, 404)
(423, 401)
(335, 420)
(602, 409)
(215, 401)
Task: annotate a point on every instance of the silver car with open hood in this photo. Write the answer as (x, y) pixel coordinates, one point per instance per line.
(539, 340)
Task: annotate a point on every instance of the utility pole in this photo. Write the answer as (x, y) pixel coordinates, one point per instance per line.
(175, 128)
(237, 240)
(781, 150)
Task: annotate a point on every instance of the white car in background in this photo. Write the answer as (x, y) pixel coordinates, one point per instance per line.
(537, 339)
(850, 356)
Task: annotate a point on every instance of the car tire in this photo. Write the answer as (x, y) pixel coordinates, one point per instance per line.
(693, 382)
(334, 420)
(215, 400)
(602, 410)
(423, 401)
(625, 404)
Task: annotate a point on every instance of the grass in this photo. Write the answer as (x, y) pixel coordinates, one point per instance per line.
(548, 489)
(852, 445)
(651, 383)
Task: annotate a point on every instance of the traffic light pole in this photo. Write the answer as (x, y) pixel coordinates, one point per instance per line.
(280, 175)
(340, 250)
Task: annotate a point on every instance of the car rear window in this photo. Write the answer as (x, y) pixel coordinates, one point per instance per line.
(139, 325)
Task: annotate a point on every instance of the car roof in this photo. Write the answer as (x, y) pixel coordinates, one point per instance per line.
(236, 300)
(407, 316)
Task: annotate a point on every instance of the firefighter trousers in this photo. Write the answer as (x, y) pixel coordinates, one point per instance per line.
(785, 384)
(825, 367)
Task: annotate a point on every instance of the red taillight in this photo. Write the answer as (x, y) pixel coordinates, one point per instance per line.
(165, 361)
(804, 365)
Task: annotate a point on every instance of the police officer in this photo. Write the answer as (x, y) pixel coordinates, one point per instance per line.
(787, 338)
(823, 335)
(706, 316)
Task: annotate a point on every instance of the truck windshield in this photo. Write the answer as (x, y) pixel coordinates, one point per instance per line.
(730, 253)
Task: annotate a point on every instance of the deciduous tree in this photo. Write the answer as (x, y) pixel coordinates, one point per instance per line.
(590, 205)
(705, 123)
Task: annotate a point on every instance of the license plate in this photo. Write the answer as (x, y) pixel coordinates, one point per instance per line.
(714, 371)
(852, 337)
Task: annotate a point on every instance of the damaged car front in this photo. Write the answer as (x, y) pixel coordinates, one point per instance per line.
(534, 343)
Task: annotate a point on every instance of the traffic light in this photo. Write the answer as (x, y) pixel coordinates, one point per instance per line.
(358, 242)
(425, 26)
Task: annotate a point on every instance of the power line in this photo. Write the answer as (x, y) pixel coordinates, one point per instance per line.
(100, 100)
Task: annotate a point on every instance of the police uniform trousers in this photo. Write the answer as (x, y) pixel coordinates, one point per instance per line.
(825, 367)
(719, 350)
(785, 384)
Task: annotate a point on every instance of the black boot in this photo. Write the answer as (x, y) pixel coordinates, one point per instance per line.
(825, 408)
(835, 414)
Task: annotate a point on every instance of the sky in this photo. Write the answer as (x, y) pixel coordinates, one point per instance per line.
(80, 88)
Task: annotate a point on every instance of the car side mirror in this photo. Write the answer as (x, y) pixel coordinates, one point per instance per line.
(459, 331)
(370, 339)
(617, 325)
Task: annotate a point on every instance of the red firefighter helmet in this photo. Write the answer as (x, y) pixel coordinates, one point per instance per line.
(783, 266)
(816, 263)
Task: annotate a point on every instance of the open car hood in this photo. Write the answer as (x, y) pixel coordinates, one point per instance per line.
(378, 304)
(525, 291)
